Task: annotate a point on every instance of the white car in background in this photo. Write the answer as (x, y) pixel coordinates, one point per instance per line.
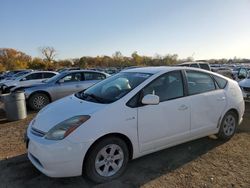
(14, 76)
(27, 80)
(133, 113)
(245, 87)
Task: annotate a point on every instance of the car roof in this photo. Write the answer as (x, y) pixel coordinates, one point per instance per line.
(43, 72)
(158, 69)
(194, 62)
(83, 70)
(152, 70)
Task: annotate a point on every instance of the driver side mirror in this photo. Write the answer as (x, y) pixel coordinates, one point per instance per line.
(151, 99)
(23, 79)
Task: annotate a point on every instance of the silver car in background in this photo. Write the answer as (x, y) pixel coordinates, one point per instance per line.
(61, 85)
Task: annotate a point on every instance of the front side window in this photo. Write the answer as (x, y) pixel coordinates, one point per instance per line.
(199, 82)
(169, 86)
(113, 88)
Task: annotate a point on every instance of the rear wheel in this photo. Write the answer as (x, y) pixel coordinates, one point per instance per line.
(38, 101)
(228, 126)
(106, 160)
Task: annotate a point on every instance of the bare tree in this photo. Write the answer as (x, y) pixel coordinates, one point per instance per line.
(48, 52)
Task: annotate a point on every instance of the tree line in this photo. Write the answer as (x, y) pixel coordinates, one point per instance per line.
(12, 59)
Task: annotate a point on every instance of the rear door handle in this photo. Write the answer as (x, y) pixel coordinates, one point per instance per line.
(78, 86)
(183, 107)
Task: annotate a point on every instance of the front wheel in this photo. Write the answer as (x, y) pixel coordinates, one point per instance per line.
(38, 101)
(107, 160)
(228, 126)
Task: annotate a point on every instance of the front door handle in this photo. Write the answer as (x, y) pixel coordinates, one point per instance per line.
(183, 107)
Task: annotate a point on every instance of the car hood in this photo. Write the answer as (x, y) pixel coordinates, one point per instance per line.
(63, 109)
(245, 82)
(3, 81)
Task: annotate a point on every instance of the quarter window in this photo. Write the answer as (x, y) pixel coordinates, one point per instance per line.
(199, 82)
(220, 81)
(169, 86)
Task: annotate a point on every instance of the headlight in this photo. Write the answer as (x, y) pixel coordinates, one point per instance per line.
(63, 129)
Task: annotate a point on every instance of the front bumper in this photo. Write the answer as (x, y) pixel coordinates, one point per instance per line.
(56, 158)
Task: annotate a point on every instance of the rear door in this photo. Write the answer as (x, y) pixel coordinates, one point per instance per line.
(207, 102)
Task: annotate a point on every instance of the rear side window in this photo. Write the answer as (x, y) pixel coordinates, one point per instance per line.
(220, 81)
(194, 65)
(199, 82)
(94, 76)
(72, 77)
(48, 75)
(204, 66)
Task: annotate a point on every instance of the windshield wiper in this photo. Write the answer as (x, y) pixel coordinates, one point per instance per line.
(92, 96)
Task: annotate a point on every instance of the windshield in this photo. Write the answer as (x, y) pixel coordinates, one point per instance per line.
(18, 75)
(113, 88)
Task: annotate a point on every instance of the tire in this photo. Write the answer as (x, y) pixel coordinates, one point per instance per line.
(228, 126)
(38, 101)
(99, 165)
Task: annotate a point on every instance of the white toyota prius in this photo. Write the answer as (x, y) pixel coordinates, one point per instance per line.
(133, 113)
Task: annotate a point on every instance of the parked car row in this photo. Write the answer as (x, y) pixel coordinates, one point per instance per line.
(10, 74)
(40, 90)
(43, 87)
(26, 80)
(61, 85)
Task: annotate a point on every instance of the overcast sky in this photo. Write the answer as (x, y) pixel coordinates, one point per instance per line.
(203, 29)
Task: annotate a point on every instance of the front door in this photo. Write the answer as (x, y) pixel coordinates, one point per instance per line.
(169, 121)
(69, 84)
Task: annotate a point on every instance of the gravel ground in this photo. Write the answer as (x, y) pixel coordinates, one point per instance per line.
(205, 162)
